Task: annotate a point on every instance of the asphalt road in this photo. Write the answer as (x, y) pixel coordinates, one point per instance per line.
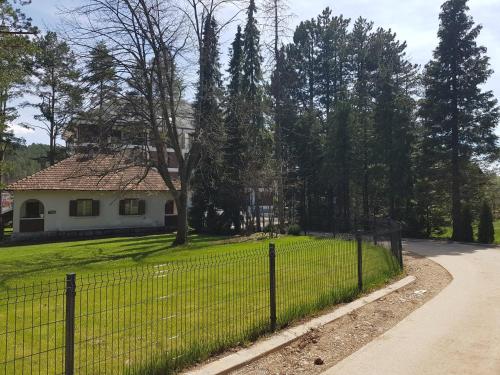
(457, 332)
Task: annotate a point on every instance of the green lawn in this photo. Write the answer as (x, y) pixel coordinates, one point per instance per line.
(447, 231)
(143, 307)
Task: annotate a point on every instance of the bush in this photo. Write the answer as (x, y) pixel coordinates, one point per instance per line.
(486, 231)
(467, 232)
(294, 230)
(270, 228)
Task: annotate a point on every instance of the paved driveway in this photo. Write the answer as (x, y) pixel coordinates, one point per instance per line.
(457, 332)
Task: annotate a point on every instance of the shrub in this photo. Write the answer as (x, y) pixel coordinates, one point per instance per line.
(467, 232)
(270, 228)
(486, 231)
(294, 230)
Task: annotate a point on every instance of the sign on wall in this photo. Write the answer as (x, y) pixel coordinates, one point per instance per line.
(7, 202)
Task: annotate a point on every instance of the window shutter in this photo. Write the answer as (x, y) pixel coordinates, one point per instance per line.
(122, 207)
(142, 207)
(72, 208)
(95, 208)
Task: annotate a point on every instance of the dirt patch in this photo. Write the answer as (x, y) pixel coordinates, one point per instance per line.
(324, 347)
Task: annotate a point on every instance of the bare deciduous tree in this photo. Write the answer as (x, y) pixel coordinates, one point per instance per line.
(156, 45)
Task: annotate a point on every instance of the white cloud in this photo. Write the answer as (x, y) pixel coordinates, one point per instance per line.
(21, 130)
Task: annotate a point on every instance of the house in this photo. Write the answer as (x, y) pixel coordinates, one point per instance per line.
(87, 195)
(104, 187)
(107, 186)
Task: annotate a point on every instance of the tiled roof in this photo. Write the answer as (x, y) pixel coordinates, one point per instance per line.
(99, 173)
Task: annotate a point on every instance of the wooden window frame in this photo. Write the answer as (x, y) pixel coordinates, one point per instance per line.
(125, 208)
(74, 208)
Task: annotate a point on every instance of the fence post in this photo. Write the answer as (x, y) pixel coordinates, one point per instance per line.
(400, 246)
(359, 241)
(272, 285)
(69, 357)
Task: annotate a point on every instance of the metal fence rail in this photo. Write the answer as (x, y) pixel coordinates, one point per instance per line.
(157, 319)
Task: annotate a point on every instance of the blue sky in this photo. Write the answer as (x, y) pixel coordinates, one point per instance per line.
(415, 21)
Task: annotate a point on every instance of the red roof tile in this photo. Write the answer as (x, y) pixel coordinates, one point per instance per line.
(99, 173)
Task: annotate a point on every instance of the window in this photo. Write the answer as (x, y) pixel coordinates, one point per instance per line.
(132, 207)
(32, 209)
(84, 207)
(183, 141)
(170, 208)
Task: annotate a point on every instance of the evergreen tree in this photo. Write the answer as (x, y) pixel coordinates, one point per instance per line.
(339, 160)
(276, 9)
(233, 192)
(56, 88)
(333, 66)
(306, 136)
(333, 80)
(24, 161)
(16, 51)
(459, 116)
(253, 112)
(283, 87)
(208, 175)
(466, 223)
(486, 231)
(362, 67)
(102, 91)
(394, 124)
(252, 74)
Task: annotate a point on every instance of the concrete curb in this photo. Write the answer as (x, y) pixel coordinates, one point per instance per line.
(281, 339)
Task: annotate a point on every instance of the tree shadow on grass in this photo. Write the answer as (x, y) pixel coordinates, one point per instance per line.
(151, 239)
(63, 262)
(136, 250)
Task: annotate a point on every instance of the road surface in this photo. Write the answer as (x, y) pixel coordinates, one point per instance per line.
(457, 332)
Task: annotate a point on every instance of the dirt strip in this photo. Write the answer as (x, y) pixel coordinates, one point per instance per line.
(323, 348)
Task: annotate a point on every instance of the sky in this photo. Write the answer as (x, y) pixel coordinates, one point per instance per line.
(414, 21)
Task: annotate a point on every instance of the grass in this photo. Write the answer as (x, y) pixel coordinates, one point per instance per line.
(135, 317)
(446, 232)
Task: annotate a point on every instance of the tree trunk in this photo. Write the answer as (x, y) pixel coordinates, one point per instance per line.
(455, 188)
(257, 211)
(278, 137)
(456, 209)
(1, 197)
(366, 181)
(182, 216)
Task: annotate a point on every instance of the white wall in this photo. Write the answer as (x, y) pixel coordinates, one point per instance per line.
(109, 216)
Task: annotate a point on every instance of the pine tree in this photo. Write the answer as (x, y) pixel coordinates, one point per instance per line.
(276, 9)
(233, 193)
(339, 160)
(303, 53)
(486, 230)
(56, 88)
(333, 80)
(252, 93)
(466, 223)
(283, 87)
(101, 73)
(459, 116)
(208, 175)
(16, 51)
(306, 143)
(252, 73)
(102, 91)
(362, 67)
(393, 123)
(333, 76)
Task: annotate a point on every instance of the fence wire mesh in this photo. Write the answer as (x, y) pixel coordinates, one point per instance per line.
(158, 319)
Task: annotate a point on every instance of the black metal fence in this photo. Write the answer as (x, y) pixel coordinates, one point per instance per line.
(157, 319)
